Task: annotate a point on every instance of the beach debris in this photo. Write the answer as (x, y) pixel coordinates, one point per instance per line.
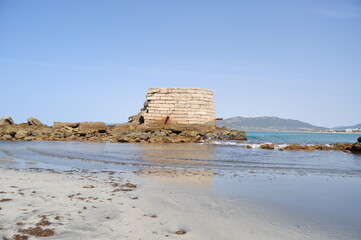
(180, 232)
(17, 237)
(5, 199)
(123, 190)
(37, 231)
(129, 185)
(43, 222)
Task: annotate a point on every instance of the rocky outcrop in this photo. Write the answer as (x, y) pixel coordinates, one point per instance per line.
(34, 121)
(24, 132)
(6, 120)
(98, 131)
(128, 133)
(346, 147)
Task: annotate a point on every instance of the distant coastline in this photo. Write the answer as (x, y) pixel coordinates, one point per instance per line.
(276, 124)
(356, 133)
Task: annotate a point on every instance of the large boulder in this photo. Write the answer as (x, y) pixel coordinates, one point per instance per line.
(267, 146)
(359, 140)
(296, 147)
(136, 119)
(21, 133)
(356, 147)
(6, 120)
(58, 125)
(34, 122)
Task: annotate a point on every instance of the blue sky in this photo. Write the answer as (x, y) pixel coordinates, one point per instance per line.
(65, 60)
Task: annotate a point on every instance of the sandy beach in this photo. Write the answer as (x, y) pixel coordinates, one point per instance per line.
(71, 190)
(39, 203)
(70, 206)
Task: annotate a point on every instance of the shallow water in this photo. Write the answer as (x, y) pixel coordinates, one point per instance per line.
(300, 137)
(196, 156)
(317, 192)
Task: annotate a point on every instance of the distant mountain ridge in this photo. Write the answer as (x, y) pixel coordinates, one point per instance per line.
(267, 124)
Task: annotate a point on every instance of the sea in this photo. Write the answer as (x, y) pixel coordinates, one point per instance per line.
(318, 192)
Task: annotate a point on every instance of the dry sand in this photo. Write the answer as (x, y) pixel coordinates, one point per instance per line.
(74, 206)
(51, 205)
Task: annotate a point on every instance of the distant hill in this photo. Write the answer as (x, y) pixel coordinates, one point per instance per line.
(348, 127)
(267, 124)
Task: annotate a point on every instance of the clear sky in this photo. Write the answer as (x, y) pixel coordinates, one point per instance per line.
(67, 60)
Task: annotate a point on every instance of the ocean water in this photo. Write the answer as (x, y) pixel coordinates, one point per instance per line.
(301, 137)
(318, 192)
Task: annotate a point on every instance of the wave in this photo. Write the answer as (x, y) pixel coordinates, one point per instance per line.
(254, 145)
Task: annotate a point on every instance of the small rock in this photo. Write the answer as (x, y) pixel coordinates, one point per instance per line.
(180, 232)
(267, 146)
(34, 122)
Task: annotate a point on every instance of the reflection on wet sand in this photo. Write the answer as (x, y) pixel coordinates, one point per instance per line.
(199, 178)
(189, 154)
(177, 153)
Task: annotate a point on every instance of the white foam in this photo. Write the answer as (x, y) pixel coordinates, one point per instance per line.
(245, 144)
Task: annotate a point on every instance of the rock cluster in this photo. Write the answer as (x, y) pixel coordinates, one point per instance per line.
(346, 147)
(99, 131)
(174, 135)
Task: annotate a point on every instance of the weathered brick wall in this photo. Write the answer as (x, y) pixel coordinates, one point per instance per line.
(179, 106)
